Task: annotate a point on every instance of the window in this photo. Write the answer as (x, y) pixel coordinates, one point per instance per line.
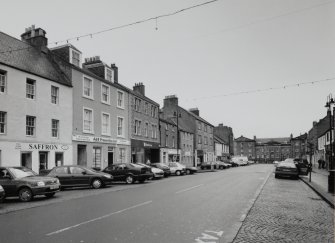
(120, 126)
(137, 128)
(75, 58)
(166, 140)
(108, 74)
(54, 94)
(88, 120)
(210, 141)
(104, 93)
(97, 157)
(30, 125)
(199, 139)
(199, 125)
(54, 128)
(154, 131)
(146, 108)
(122, 155)
(30, 88)
(205, 128)
(146, 128)
(153, 111)
(120, 97)
(2, 81)
(205, 140)
(88, 88)
(173, 142)
(3, 117)
(105, 124)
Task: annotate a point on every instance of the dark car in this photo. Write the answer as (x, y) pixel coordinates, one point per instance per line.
(303, 166)
(129, 172)
(78, 176)
(2, 194)
(286, 169)
(164, 167)
(24, 183)
(222, 165)
(191, 170)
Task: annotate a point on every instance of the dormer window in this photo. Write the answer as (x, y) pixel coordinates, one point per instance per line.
(108, 74)
(75, 57)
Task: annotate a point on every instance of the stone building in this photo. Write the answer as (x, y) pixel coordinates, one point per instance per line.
(226, 134)
(245, 147)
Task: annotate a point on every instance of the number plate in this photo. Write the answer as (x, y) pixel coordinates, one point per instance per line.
(54, 187)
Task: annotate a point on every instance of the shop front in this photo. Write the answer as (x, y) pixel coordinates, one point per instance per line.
(144, 152)
(99, 152)
(35, 156)
(169, 155)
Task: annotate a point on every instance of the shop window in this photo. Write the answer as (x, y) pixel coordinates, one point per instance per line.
(122, 155)
(97, 157)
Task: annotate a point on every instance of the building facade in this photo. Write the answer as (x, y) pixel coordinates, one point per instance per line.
(245, 147)
(221, 149)
(169, 150)
(144, 127)
(100, 133)
(31, 86)
(226, 134)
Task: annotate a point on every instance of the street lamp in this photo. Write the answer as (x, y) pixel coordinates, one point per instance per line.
(329, 103)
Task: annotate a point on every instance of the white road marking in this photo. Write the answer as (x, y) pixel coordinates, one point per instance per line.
(187, 189)
(95, 219)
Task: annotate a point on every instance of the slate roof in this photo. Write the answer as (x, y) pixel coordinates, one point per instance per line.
(197, 117)
(216, 138)
(301, 137)
(29, 59)
(268, 140)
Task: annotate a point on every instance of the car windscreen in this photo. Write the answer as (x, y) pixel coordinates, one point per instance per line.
(20, 173)
(135, 165)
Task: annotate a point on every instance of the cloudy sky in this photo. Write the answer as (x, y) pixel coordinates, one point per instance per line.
(208, 56)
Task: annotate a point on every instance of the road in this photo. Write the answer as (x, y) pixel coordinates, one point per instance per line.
(205, 207)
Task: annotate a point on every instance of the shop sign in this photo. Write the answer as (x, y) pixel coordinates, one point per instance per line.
(41, 146)
(93, 139)
(147, 145)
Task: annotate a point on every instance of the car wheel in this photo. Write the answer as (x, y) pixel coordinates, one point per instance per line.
(129, 179)
(96, 183)
(221, 167)
(188, 172)
(25, 194)
(50, 195)
(178, 173)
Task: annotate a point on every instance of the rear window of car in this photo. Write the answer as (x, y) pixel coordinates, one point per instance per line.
(61, 170)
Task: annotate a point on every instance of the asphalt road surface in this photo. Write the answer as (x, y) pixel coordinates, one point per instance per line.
(205, 207)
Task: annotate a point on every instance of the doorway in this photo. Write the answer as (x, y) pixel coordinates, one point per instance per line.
(82, 155)
(26, 159)
(43, 160)
(110, 158)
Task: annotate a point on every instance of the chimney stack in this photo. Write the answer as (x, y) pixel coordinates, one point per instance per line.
(195, 111)
(116, 72)
(139, 88)
(36, 37)
(170, 100)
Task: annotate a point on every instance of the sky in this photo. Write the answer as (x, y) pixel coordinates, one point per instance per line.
(210, 56)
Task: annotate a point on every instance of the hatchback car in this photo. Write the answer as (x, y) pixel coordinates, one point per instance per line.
(2, 194)
(286, 169)
(177, 168)
(191, 170)
(25, 183)
(128, 172)
(78, 176)
(156, 173)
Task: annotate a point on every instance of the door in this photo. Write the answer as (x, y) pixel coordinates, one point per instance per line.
(26, 159)
(82, 155)
(110, 158)
(79, 176)
(43, 160)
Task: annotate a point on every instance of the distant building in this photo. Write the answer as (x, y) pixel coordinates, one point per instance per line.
(168, 141)
(226, 134)
(221, 149)
(299, 147)
(245, 147)
(273, 149)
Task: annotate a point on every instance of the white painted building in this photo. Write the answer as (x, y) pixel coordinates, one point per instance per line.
(35, 105)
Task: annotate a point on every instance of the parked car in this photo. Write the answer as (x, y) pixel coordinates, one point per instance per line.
(80, 176)
(208, 165)
(2, 194)
(157, 173)
(25, 183)
(222, 165)
(191, 170)
(177, 168)
(164, 167)
(240, 160)
(275, 163)
(303, 166)
(233, 164)
(129, 172)
(286, 169)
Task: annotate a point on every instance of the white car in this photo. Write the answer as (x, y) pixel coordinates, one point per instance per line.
(177, 168)
(157, 173)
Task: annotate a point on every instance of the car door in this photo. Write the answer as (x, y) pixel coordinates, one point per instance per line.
(79, 175)
(8, 182)
(62, 173)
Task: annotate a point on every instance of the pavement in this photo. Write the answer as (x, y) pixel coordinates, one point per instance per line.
(319, 183)
(288, 210)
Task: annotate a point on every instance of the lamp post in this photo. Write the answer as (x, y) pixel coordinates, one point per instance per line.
(330, 102)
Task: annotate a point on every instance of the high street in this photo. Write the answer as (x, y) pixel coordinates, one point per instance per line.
(177, 209)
